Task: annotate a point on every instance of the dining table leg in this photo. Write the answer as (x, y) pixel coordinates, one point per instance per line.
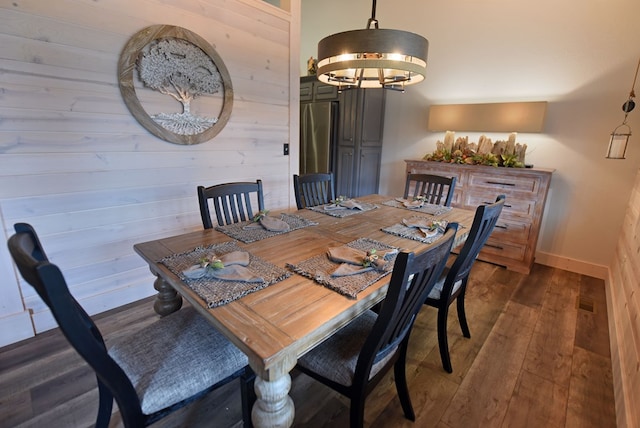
(273, 407)
(168, 300)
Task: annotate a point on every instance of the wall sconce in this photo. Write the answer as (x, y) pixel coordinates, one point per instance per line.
(491, 117)
(619, 139)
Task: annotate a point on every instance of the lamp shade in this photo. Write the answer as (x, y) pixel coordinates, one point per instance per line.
(490, 117)
(373, 58)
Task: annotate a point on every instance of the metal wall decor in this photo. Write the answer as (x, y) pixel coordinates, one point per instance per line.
(178, 64)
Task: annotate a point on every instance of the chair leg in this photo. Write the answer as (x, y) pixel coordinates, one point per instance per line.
(443, 313)
(105, 406)
(248, 392)
(356, 410)
(462, 316)
(399, 370)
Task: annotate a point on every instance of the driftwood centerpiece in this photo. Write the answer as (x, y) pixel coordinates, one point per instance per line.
(484, 152)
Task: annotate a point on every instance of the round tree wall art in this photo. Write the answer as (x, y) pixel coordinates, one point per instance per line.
(175, 84)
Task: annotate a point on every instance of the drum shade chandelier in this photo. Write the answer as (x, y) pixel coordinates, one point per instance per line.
(372, 58)
(620, 135)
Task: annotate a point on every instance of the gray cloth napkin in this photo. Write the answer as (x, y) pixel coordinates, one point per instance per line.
(351, 259)
(234, 269)
(271, 224)
(411, 204)
(235, 273)
(346, 269)
(430, 228)
(235, 258)
(348, 204)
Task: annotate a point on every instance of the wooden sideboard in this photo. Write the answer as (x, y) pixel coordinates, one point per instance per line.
(513, 242)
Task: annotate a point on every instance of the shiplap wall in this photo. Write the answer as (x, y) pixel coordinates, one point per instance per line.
(623, 304)
(75, 163)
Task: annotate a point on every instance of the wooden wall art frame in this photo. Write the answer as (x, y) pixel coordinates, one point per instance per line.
(127, 65)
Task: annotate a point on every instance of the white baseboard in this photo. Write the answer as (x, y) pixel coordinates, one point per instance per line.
(572, 265)
(15, 327)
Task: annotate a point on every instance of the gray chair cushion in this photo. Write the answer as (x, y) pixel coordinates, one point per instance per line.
(336, 358)
(436, 291)
(175, 358)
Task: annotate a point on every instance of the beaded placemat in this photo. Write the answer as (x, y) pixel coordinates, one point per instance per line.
(432, 209)
(238, 231)
(217, 292)
(343, 212)
(320, 267)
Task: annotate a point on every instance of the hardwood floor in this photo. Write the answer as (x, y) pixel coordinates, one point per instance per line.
(538, 357)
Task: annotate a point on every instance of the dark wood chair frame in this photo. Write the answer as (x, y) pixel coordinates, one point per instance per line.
(84, 336)
(484, 222)
(413, 277)
(313, 189)
(231, 201)
(437, 189)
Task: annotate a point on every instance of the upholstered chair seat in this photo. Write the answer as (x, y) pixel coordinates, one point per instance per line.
(191, 357)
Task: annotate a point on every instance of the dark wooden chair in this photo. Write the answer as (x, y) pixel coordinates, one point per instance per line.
(437, 189)
(355, 358)
(231, 202)
(313, 189)
(452, 286)
(150, 373)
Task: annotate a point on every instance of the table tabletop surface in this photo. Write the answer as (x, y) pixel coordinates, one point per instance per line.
(276, 325)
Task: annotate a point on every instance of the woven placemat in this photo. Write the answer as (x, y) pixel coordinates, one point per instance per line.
(237, 231)
(432, 209)
(217, 292)
(403, 231)
(319, 268)
(345, 212)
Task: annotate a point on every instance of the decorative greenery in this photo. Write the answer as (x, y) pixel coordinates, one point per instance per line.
(511, 161)
(262, 213)
(438, 224)
(339, 200)
(469, 157)
(370, 258)
(501, 153)
(212, 263)
(466, 156)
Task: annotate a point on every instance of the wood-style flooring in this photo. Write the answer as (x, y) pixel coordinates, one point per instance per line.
(538, 356)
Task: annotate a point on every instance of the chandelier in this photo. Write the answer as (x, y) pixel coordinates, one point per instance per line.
(372, 58)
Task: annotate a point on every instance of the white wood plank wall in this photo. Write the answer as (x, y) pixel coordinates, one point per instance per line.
(76, 165)
(623, 308)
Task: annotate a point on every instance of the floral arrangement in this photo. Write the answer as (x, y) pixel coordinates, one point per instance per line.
(212, 263)
(370, 258)
(262, 213)
(501, 153)
(440, 225)
(339, 200)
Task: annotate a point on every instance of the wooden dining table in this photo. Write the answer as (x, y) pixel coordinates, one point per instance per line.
(278, 324)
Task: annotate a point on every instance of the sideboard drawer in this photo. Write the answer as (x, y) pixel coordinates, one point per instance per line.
(503, 250)
(511, 231)
(512, 207)
(508, 185)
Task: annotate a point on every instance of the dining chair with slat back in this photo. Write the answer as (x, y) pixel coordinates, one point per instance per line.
(151, 372)
(355, 358)
(232, 202)
(437, 189)
(313, 189)
(452, 286)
